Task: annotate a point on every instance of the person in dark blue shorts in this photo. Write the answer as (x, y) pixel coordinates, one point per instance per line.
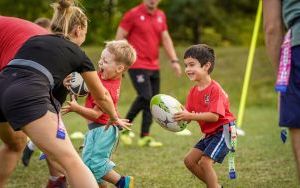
(277, 15)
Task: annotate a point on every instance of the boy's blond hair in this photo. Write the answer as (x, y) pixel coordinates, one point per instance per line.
(124, 52)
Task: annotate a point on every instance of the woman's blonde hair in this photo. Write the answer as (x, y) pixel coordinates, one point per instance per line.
(124, 53)
(66, 16)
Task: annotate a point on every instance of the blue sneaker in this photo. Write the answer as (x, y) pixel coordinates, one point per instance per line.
(129, 182)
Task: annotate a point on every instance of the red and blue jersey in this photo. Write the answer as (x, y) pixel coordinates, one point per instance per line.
(211, 99)
(144, 34)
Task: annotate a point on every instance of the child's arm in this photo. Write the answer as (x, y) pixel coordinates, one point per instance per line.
(88, 113)
(193, 116)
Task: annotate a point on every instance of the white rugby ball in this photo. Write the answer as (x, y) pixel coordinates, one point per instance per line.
(78, 86)
(163, 107)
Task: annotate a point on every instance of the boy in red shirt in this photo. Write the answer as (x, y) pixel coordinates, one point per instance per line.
(100, 140)
(208, 104)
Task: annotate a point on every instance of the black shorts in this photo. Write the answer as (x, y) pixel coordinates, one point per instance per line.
(24, 96)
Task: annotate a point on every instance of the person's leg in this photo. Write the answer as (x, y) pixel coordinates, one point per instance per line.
(118, 180)
(141, 81)
(10, 151)
(295, 139)
(62, 151)
(56, 175)
(138, 78)
(103, 185)
(112, 177)
(210, 176)
(191, 161)
(27, 153)
(54, 168)
(153, 85)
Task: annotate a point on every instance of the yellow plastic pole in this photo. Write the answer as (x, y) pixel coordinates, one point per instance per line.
(249, 64)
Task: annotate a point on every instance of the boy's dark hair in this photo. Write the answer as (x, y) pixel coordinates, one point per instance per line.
(203, 53)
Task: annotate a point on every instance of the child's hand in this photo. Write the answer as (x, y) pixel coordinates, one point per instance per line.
(183, 115)
(123, 123)
(67, 81)
(72, 106)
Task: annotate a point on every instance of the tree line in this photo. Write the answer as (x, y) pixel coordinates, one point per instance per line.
(216, 22)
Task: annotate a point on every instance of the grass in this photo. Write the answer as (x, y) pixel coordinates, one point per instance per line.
(261, 159)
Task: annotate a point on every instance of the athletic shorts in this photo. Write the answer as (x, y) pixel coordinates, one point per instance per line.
(214, 146)
(290, 100)
(24, 96)
(98, 146)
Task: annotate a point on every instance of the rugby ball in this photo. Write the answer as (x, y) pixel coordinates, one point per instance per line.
(78, 86)
(163, 107)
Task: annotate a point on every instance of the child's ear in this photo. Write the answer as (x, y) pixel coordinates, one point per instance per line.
(77, 30)
(120, 68)
(207, 66)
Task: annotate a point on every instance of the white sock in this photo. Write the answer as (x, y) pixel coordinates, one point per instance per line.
(53, 178)
(31, 145)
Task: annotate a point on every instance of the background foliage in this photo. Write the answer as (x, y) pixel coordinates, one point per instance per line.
(218, 23)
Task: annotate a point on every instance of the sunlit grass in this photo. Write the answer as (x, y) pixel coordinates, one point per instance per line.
(261, 160)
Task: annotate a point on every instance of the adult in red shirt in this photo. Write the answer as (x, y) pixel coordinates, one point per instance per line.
(145, 27)
(13, 33)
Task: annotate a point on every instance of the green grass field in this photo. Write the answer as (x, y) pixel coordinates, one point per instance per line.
(261, 159)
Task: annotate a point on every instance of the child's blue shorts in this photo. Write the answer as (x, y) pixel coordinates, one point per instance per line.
(98, 146)
(290, 100)
(214, 146)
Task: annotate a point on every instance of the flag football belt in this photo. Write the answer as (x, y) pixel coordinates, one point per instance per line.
(34, 65)
(60, 133)
(229, 132)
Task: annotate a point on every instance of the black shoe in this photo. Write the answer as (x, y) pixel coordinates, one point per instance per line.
(27, 153)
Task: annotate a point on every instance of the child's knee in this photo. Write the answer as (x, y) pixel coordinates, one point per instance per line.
(188, 162)
(206, 162)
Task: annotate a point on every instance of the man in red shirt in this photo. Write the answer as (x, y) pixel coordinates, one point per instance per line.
(208, 104)
(145, 27)
(13, 33)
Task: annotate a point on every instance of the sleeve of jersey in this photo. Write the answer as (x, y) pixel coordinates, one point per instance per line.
(188, 105)
(165, 26)
(127, 21)
(217, 102)
(85, 64)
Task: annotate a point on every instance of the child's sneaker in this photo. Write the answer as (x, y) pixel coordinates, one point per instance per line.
(149, 141)
(61, 182)
(27, 153)
(131, 134)
(129, 182)
(125, 138)
(184, 132)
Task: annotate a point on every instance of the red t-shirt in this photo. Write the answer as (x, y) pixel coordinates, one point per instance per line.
(144, 34)
(212, 99)
(113, 87)
(13, 33)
